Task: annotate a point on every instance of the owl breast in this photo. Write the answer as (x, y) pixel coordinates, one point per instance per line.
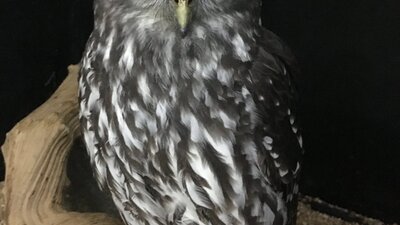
(171, 132)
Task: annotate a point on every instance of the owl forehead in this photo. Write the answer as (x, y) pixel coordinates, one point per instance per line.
(213, 4)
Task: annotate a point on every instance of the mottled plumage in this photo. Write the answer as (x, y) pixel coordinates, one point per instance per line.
(191, 124)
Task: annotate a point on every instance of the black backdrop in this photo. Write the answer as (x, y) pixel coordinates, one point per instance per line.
(349, 52)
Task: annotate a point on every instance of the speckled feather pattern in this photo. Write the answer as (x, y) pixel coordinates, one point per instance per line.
(194, 129)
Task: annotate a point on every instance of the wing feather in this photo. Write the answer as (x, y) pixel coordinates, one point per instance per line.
(278, 136)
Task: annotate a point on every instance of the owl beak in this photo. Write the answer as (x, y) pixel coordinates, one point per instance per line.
(182, 14)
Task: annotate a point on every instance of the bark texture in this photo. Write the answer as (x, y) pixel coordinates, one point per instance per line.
(36, 152)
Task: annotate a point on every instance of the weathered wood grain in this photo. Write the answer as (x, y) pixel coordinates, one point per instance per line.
(36, 151)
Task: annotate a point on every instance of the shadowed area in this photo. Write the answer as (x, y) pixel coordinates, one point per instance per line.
(83, 193)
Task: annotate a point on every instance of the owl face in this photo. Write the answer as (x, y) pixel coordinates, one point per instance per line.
(183, 14)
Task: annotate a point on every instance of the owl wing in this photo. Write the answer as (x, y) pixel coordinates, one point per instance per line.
(89, 105)
(277, 137)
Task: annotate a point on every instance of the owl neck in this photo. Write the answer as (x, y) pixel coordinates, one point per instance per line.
(159, 50)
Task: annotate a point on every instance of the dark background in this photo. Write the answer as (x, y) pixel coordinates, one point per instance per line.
(349, 52)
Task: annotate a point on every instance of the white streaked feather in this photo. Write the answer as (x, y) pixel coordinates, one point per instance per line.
(274, 155)
(161, 112)
(191, 188)
(228, 121)
(223, 146)
(107, 49)
(283, 172)
(127, 59)
(126, 132)
(144, 89)
(201, 168)
(267, 142)
(241, 49)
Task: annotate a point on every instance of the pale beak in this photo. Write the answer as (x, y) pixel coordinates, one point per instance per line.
(182, 14)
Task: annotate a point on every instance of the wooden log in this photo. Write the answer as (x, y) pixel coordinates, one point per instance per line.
(36, 152)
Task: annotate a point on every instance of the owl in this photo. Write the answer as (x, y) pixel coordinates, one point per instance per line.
(187, 110)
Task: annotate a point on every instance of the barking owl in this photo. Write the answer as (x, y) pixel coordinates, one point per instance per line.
(188, 113)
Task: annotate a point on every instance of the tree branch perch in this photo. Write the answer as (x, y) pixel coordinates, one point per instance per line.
(36, 152)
